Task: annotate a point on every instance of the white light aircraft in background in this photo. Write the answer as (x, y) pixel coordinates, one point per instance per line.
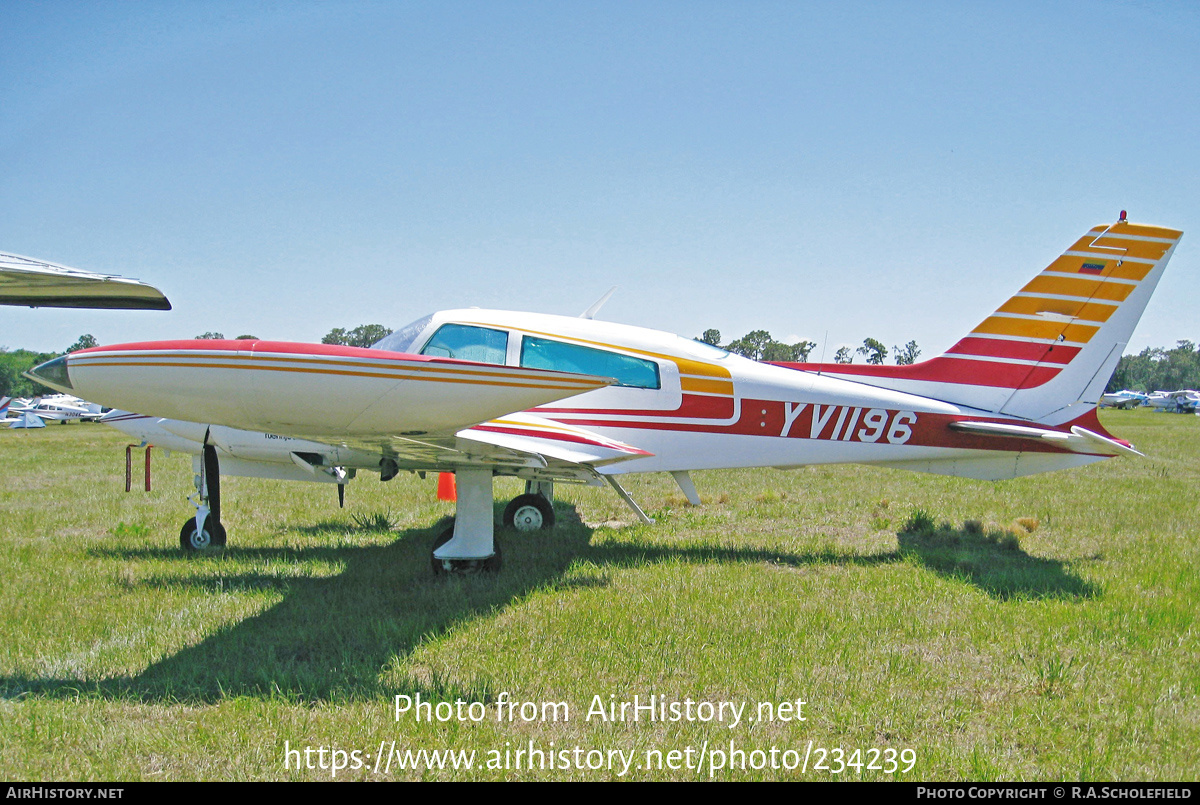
(553, 399)
(15, 414)
(1184, 401)
(1123, 399)
(60, 408)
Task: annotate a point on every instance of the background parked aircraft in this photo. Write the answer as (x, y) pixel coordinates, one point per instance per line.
(1183, 401)
(1123, 399)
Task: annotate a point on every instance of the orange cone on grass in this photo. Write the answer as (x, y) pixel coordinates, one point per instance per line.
(446, 487)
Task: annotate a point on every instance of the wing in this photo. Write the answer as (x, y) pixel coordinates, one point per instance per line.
(314, 391)
(36, 283)
(372, 409)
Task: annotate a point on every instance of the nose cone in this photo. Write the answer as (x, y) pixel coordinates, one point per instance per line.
(53, 374)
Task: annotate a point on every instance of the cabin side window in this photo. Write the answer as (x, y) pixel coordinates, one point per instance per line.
(462, 341)
(544, 353)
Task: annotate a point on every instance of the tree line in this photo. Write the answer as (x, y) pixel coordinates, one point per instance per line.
(759, 345)
(1158, 369)
(1152, 369)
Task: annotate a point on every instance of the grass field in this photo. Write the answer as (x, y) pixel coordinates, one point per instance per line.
(1071, 654)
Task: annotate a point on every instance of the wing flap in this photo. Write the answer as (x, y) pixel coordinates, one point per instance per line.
(528, 433)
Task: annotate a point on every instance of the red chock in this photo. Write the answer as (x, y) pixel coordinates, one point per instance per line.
(446, 488)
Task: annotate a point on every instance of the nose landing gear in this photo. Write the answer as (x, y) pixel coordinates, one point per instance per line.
(204, 531)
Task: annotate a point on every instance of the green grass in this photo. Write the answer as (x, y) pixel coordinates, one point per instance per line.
(1065, 652)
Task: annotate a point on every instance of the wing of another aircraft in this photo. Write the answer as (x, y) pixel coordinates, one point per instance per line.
(37, 283)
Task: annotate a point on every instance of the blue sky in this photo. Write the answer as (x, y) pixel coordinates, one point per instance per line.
(830, 171)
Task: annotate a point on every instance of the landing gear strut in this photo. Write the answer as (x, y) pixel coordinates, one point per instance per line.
(205, 531)
(469, 546)
(464, 567)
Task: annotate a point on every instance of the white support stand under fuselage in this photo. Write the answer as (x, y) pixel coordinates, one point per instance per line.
(684, 481)
(474, 531)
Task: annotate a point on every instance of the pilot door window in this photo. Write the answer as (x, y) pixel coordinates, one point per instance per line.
(462, 341)
(543, 353)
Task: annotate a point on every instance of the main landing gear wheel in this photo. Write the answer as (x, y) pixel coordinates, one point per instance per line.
(192, 540)
(529, 513)
(463, 567)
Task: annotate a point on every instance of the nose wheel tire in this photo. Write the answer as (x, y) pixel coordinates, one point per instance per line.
(529, 513)
(192, 540)
(463, 567)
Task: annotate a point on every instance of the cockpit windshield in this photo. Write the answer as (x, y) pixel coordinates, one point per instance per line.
(700, 349)
(402, 340)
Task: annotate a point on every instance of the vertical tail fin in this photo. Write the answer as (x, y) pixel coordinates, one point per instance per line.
(1047, 353)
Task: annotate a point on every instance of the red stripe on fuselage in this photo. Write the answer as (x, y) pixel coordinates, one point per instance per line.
(695, 406)
(249, 347)
(847, 424)
(561, 437)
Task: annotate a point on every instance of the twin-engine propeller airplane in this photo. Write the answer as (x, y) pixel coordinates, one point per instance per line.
(553, 399)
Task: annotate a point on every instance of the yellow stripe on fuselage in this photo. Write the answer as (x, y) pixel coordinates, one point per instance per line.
(705, 386)
(386, 373)
(433, 366)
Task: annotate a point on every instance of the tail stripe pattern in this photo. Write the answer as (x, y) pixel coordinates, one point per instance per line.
(1051, 347)
(1062, 309)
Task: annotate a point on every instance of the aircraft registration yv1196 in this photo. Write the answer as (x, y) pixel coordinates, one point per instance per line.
(553, 398)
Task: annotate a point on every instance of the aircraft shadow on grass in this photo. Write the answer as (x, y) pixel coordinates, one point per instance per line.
(333, 636)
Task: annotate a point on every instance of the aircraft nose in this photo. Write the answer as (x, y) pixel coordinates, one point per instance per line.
(53, 374)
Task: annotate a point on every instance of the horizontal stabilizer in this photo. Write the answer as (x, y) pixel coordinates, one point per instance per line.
(1079, 440)
(1105, 442)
